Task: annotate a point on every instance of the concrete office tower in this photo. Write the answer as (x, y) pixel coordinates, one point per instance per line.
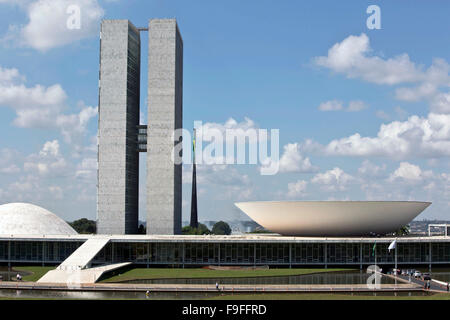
(165, 114)
(118, 159)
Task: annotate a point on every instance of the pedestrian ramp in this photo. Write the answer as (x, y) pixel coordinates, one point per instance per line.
(73, 277)
(81, 257)
(76, 268)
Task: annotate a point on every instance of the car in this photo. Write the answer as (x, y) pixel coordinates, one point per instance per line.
(417, 274)
(404, 272)
(426, 277)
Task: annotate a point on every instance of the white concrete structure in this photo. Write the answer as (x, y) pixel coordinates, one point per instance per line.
(81, 258)
(165, 114)
(118, 158)
(332, 218)
(76, 268)
(29, 219)
(74, 278)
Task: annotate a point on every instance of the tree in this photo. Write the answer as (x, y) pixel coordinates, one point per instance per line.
(221, 228)
(403, 231)
(84, 226)
(202, 229)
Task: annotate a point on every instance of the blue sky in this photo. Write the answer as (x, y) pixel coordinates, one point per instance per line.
(265, 65)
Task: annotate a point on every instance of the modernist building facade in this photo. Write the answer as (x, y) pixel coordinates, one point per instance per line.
(121, 136)
(181, 251)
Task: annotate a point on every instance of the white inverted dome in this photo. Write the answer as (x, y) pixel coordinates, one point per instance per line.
(29, 219)
(332, 218)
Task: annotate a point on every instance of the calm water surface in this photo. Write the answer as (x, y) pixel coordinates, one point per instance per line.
(353, 277)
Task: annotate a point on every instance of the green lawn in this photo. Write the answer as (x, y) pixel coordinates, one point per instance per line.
(166, 273)
(326, 296)
(36, 272)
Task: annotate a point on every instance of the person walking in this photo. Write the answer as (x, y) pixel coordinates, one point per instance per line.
(217, 285)
(448, 286)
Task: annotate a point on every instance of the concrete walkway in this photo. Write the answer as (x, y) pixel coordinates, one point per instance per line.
(81, 257)
(75, 269)
(207, 288)
(73, 277)
(435, 285)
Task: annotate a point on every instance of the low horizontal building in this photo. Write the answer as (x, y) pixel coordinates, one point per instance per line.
(247, 250)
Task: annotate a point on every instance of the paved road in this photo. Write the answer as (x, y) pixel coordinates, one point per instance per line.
(434, 286)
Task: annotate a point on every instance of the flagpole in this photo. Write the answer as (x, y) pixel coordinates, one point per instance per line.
(395, 252)
(375, 249)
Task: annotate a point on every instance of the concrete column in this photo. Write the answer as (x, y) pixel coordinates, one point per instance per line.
(112, 252)
(290, 255)
(360, 256)
(43, 252)
(9, 255)
(148, 254)
(429, 257)
(183, 248)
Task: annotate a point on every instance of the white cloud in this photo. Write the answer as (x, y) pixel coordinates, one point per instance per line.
(223, 175)
(73, 126)
(409, 172)
(50, 148)
(297, 189)
(415, 94)
(48, 21)
(370, 169)
(355, 106)
(208, 130)
(424, 137)
(382, 115)
(332, 105)
(87, 168)
(42, 107)
(352, 58)
(10, 169)
(9, 159)
(49, 161)
(333, 180)
(292, 161)
(440, 103)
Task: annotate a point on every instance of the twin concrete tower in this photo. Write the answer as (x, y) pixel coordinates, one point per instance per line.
(121, 136)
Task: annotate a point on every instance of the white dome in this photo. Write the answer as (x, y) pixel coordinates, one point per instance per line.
(332, 218)
(28, 219)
